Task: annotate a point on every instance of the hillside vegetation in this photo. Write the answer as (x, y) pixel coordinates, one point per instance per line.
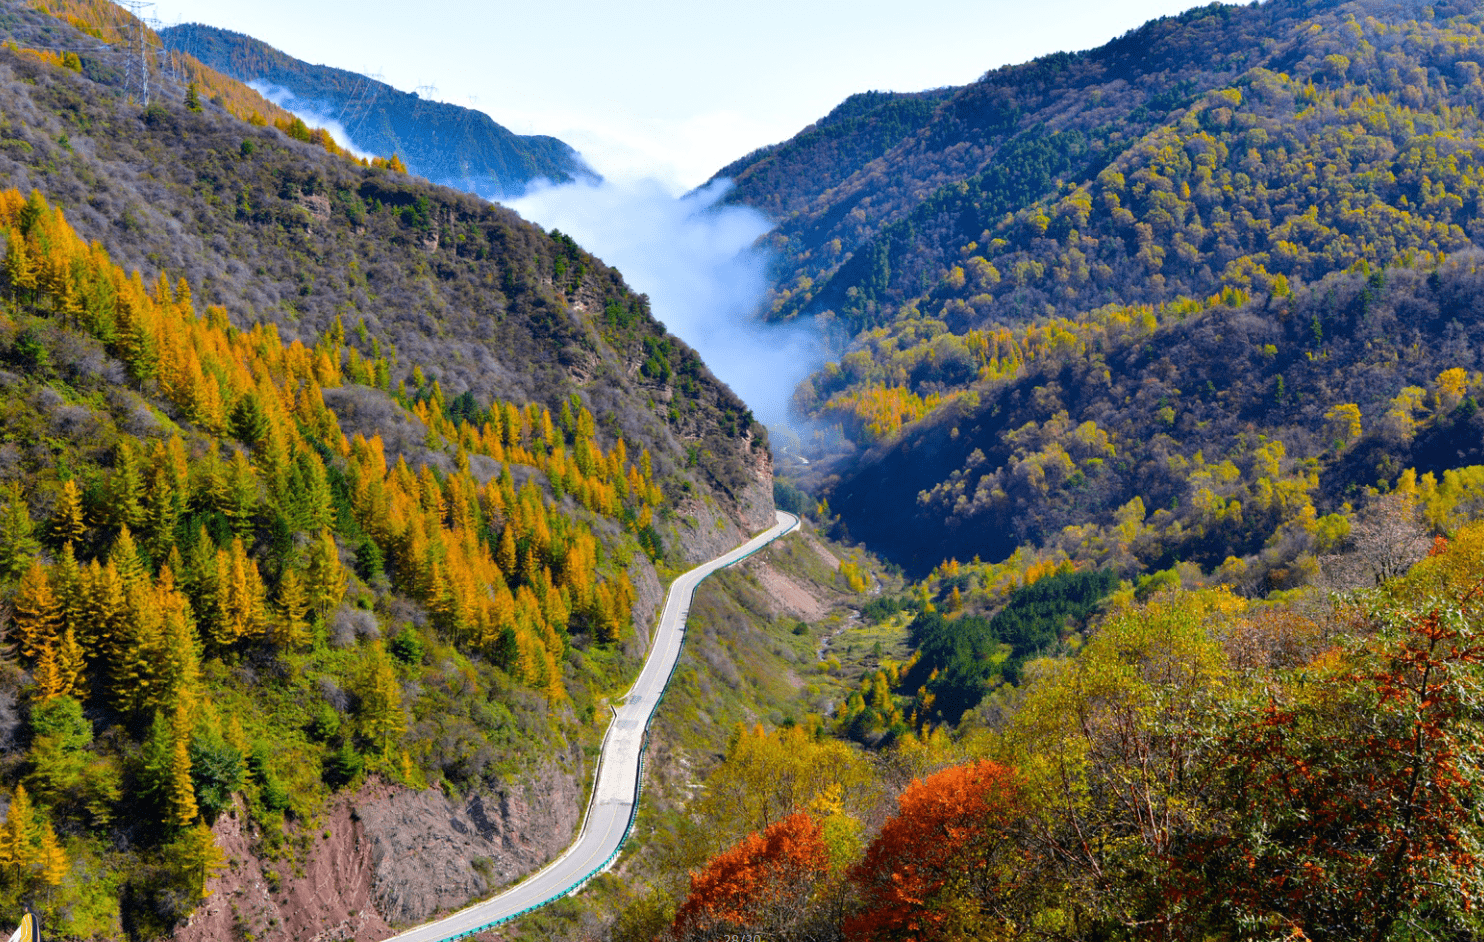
(1203, 768)
(1176, 299)
(48, 30)
(313, 473)
(1160, 377)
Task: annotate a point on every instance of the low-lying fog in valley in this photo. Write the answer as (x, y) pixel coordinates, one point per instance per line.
(696, 258)
(698, 261)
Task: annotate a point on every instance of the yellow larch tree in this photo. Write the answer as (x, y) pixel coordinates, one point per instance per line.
(37, 613)
(47, 675)
(67, 524)
(381, 699)
(180, 790)
(326, 577)
(290, 624)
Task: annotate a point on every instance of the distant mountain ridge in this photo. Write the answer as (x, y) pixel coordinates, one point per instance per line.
(447, 144)
(782, 179)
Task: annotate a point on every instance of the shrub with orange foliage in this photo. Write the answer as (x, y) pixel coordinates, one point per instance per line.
(763, 885)
(946, 865)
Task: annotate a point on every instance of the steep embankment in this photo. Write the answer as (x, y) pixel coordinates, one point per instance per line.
(448, 144)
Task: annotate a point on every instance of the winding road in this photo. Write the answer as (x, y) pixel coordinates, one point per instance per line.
(610, 811)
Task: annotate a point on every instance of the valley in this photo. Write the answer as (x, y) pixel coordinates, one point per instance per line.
(1120, 409)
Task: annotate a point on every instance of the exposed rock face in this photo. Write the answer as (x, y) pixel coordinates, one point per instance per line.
(649, 595)
(387, 857)
(755, 502)
(703, 530)
(429, 854)
(792, 597)
(328, 897)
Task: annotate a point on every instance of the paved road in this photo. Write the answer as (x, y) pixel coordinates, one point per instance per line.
(611, 809)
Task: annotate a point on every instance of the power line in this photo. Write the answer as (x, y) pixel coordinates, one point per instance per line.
(176, 51)
(358, 111)
(349, 102)
(136, 74)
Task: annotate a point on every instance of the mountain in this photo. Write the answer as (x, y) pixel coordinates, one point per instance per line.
(336, 503)
(1159, 375)
(873, 195)
(1079, 297)
(783, 178)
(448, 144)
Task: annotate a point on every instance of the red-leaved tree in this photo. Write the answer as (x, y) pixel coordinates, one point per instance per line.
(766, 885)
(945, 865)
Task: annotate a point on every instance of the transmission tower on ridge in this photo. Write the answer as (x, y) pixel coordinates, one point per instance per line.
(136, 74)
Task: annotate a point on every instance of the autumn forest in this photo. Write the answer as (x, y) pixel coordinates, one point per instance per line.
(1139, 588)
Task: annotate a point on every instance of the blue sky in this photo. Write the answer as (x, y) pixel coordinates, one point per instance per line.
(666, 90)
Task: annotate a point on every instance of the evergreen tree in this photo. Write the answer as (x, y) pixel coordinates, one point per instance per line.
(126, 487)
(161, 512)
(67, 521)
(17, 534)
(239, 498)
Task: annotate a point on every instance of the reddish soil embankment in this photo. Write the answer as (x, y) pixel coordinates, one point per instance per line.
(384, 858)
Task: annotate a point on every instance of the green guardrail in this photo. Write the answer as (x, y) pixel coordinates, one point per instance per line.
(639, 782)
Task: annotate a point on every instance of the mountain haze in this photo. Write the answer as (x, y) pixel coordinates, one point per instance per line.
(454, 146)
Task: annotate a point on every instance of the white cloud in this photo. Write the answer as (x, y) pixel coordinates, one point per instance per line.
(680, 153)
(698, 262)
(313, 114)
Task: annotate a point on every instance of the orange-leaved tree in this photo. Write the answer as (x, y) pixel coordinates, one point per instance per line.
(766, 885)
(945, 867)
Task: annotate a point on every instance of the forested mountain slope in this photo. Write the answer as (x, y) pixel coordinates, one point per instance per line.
(448, 144)
(330, 497)
(1162, 370)
(1226, 229)
(1188, 398)
(892, 226)
(782, 179)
